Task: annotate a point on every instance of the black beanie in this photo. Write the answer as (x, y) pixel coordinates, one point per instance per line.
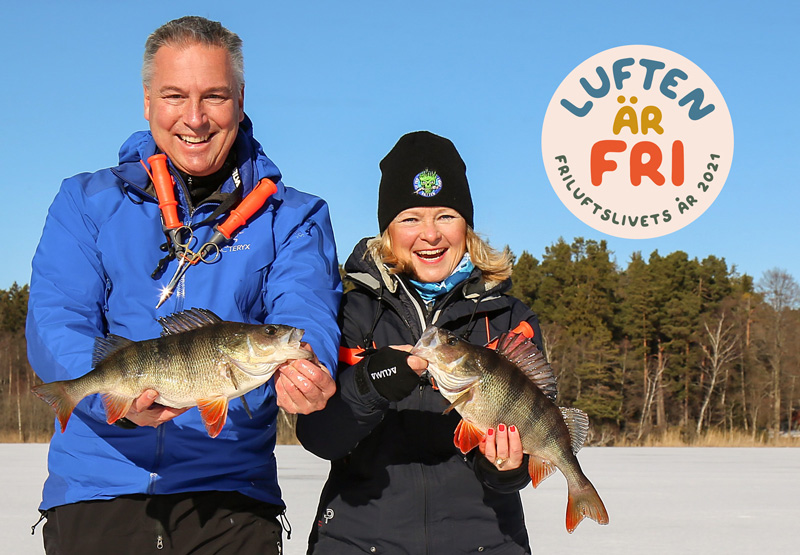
(423, 169)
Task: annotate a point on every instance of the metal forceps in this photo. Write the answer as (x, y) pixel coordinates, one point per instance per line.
(182, 238)
(183, 242)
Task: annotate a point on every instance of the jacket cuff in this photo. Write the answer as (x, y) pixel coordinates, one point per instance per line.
(126, 424)
(508, 481)
(357, 387)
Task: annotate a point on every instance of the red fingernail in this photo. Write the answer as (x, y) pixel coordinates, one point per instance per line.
(512, 429)
(501, 428)
(490, 431)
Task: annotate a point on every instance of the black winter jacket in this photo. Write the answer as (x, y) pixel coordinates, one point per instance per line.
(398, 484)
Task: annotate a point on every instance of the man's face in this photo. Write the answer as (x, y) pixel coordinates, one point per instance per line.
(194, 106)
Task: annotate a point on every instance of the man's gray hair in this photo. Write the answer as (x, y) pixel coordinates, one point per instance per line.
(190, 30)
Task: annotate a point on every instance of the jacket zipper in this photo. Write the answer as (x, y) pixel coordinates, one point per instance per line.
(161, 432)
(424, 487)
(161, 517)
(186, 204)
(424, 507)
(190, 209)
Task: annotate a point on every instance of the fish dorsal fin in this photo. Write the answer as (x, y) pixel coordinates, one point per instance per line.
(578, 425)
(187, 320)
(520, 351)
(105, 346)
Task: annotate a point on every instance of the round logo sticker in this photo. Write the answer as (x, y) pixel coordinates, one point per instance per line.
(637, 142)
(427, 183)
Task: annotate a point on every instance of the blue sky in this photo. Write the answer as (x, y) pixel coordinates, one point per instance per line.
(331, 86)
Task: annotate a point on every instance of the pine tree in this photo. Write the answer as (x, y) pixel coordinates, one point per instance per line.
(13, 308)
(525, 278)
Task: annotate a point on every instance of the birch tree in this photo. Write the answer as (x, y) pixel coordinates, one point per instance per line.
(782, 294)
(719, 348)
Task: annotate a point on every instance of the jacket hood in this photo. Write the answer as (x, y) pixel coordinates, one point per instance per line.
(365, 269)
(253, 164)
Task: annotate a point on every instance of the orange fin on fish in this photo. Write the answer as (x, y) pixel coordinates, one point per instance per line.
(214, 412)
(467, 436)
(539, 469)
(116, 406)
(582, 503)
(56, 396)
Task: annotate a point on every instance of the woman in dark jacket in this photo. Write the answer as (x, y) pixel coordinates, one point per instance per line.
(397, 483)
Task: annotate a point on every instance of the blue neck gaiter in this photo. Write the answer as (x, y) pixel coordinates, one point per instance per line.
(431, 291)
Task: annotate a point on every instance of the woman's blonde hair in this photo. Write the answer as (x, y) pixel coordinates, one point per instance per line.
(495, 265)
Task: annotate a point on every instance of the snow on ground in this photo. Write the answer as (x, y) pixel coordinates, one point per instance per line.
(660, 501)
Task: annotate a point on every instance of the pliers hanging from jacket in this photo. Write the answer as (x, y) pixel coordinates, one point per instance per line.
(181, 237)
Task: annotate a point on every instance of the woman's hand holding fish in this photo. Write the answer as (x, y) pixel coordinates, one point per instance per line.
(417, 364)
(303, 386)
(503, 447)
(146, 412)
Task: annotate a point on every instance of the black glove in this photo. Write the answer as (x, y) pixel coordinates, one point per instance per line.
(390, 374)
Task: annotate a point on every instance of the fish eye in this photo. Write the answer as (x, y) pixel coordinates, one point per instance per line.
(271, 330)
(452, 340)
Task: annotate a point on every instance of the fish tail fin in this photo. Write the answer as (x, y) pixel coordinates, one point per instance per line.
(539, 469)
(214, 412)
(116, 406)
(56, 395)
(582, 502)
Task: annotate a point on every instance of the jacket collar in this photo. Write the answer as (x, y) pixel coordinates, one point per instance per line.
(253, 164)
(363, 268)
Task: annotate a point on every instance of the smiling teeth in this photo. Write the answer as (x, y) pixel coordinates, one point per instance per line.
(193, 140)
(431, 253)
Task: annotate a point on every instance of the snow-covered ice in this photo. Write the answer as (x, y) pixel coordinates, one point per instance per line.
(660, 501)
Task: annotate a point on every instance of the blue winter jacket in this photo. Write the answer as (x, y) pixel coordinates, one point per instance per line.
(92, 276)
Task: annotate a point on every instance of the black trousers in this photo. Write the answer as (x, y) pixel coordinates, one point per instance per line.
(197, 523)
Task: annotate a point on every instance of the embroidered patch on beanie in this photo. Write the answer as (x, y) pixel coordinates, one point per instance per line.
(427, 183)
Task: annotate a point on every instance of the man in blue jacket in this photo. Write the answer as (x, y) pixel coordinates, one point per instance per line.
(158, 481)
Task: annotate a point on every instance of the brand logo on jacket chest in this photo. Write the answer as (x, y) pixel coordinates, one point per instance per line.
(238, 245)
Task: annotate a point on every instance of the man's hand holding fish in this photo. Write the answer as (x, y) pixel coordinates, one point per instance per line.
(146, 412)
(303, 386)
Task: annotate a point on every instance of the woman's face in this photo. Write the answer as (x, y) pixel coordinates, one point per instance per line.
(430, 240)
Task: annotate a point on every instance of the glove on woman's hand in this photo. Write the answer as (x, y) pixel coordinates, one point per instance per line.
(390, 374)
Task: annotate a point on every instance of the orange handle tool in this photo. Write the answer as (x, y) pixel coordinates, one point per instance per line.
(249, 206)
(164, 190)
(524, 328)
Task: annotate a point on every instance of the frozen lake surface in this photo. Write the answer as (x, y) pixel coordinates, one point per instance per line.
(660, 501)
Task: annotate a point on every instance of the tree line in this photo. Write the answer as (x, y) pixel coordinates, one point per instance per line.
(23, 417)
(664, 343)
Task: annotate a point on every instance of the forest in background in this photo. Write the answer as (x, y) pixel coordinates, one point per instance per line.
(666, 347)
(666, 343)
